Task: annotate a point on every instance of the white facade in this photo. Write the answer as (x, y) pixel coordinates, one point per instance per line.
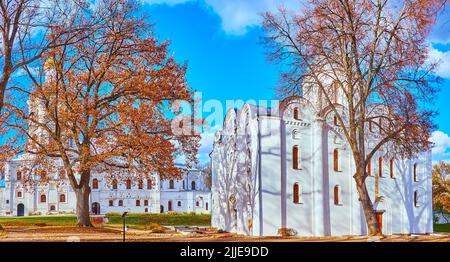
(255, 177)
(57, 197)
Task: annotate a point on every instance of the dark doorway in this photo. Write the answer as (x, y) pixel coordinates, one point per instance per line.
(161, 210)
(96, 208)
(20, 210)
(170, 206)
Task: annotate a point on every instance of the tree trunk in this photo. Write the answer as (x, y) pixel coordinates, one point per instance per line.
(367, 205)
(82, 194)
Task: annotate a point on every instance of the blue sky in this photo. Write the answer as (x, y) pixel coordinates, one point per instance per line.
(220, 42)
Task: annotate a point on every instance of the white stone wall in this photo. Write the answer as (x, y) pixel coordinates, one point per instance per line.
(264, 145)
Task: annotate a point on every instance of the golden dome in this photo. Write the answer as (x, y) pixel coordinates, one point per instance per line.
(49, 64)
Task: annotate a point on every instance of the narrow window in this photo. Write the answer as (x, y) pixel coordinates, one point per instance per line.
(141, 184)
(335, 91)
(43, 198)
(169, 205)
(416, 199)
(369, 167)
(19, 175)
(120, 203)
(295, 157)
(19, 194)
(138, 203)
(415, 172)
(171, 184)
(128, 183)
(179, 203)
(197, 204)
(297, 193)
(296, 114)
(193, 185)
(380, 123)
(337, 195)
(62, 198)
(206, 205)
(336, 160)
(111, 203)
(149, 184)
(145, 202)
(391, 168)
(95, 183)
(114, 184)
(380, 167)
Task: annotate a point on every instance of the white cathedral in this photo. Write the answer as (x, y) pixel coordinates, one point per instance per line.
(189, 193)
(291, 169)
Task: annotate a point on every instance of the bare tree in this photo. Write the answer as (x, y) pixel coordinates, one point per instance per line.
(365, 62)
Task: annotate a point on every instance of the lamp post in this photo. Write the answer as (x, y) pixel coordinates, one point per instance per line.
(124, 226)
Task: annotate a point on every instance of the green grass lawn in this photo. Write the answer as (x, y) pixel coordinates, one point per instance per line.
(167, 219)
(444, 228)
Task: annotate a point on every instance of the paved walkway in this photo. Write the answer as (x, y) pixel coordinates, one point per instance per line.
(74, 234)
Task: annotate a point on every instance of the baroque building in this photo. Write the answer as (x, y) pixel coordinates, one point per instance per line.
(187, 194)
(292, 169)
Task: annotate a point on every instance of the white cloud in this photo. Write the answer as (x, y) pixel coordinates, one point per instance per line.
(238, 16)
(443, 69)
(441, 149)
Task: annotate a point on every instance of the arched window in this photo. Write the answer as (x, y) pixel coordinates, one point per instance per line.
(296, 157)
(121, 203)
(43, 198)
(52, 208)
(141, 184)
(169, 207)
(19, 194)
(149, 184)
(335, 91)
(138, 202)
(391, 168)
(206, 206)
(336, 160)
(111, 203)
(145, 202)
(416, 199)
(415, 172)
(197, 204)
(128, 182)
(171, 184)
(380, 167)
(95, 183)
(114, 184)
(179, 203)
(193, 185)
(296, 114)
(337, 195)
(369, 167)
(62, 198)
(297, 194)
(19, 175)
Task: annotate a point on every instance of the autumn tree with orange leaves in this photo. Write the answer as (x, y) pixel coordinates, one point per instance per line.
(366, 62)
(23, 28)
(441, 188)
(103, 105)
